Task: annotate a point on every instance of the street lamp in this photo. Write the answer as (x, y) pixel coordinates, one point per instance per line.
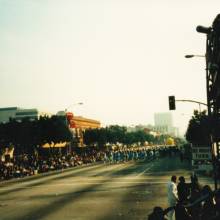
(79, 103)
(65, 112)
(192, 55)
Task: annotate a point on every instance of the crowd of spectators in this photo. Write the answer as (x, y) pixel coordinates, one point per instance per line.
(194, 202)
(28, 165)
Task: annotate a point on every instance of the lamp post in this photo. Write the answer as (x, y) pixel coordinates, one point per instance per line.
(204, 56)
(193, 55)
(63, 113)
(79, 103)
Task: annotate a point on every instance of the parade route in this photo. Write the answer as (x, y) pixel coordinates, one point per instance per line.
(101, 191)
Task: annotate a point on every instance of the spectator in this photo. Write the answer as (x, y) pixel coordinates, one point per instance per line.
(217, 205)
(181, 212)
(208, 208)
(182, 189)
(195, 183)
(157, 214)
(196, 209)
(172, 195)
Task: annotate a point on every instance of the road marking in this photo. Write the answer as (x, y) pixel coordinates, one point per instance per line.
(148, 168)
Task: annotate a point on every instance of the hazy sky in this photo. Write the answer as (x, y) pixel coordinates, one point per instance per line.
(121, 58)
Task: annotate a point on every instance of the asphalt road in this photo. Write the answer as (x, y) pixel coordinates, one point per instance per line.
(102, 192)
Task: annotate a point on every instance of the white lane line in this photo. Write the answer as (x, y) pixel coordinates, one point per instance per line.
(148, 168)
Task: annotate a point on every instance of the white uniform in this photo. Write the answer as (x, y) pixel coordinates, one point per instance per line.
(172, 197)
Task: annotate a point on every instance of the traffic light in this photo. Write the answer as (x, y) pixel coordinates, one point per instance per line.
(172, 104)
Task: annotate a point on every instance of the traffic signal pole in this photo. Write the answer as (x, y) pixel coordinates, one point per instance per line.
(193, 101)
(172, 102)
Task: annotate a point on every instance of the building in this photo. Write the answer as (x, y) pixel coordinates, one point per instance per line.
(79, 124)
(19, 113)
(31, 114)
(86, 123)
(164, 124)
(7, 113)
(163, 119)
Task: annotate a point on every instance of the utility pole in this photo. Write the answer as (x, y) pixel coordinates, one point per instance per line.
(213, 87)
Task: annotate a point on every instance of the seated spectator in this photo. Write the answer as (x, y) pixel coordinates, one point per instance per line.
(217, 204)
(181, 212)
(196, 209)
(157, 214)
(208, 208)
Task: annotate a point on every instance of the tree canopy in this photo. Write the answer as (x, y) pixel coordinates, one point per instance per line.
(27, 134)
(199, 129)
(118, 134)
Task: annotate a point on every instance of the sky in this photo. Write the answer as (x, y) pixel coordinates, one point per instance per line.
(121, 58)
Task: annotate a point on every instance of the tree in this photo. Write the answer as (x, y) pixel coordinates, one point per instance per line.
(140, 136)
(26, 135)
(90, 136)
(118, 134)
(97, 136)
(199, 129)
(129, 138)
(115, 133)
(53, 129)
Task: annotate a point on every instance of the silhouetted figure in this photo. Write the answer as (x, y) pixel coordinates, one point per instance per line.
(157, 214)
(208, 208)
(181, 212)
(182, 189)
(196, 209)
(217, 206)
(194, 185)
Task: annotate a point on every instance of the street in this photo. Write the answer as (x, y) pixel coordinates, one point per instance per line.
(119, 191)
